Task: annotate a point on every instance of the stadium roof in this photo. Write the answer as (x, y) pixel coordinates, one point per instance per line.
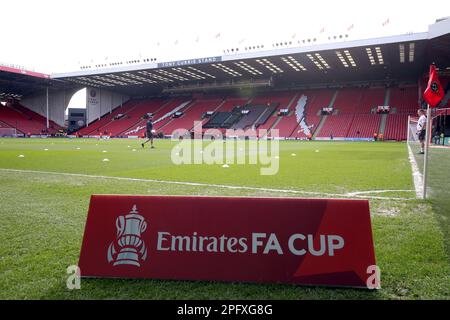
(394, 58)
(16, 82)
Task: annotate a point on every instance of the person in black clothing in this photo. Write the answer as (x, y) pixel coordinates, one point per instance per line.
(149, 135)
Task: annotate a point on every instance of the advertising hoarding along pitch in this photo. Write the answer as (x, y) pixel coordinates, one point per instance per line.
(262, 240)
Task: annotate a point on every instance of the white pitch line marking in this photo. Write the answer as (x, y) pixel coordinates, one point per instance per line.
(198, 184)
(417, 176)
(375, 191)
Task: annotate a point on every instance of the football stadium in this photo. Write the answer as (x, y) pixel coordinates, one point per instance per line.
(246, 170)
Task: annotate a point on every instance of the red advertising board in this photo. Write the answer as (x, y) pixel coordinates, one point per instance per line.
(271, 240)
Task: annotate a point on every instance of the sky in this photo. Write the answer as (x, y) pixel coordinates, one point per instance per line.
(58, 36)
(52, 36)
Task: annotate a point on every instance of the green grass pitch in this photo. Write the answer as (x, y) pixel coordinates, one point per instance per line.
(42, 215)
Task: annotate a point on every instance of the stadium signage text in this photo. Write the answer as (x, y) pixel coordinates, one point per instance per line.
(181, 63)
(261, 243)
(289, 240)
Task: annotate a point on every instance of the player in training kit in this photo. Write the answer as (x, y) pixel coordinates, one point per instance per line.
(149, 126)
(422, 129)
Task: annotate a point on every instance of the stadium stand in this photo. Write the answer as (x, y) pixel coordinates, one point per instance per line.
(232, 102)
(345, 106)
(25, 121)
(317, 99)
(354, 114)
(192, 113)
(366, 122)
(371, 98)
(364, 126)
(158, 108)
(134, 116)
(396, 125)
(336, 126)
(248, 120)
(94, 127)
(286, 124)
(404, 101)
(219, 119)
(267, 113)
(347, 101)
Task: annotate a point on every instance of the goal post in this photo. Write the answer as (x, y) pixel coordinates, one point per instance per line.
(8, 132)
(412, 130)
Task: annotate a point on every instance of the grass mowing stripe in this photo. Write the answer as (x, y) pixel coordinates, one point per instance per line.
(347, 195)
(42, 221)
(42, 216)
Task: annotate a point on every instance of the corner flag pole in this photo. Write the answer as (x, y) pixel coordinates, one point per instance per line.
(427, 145)
(46, 115)
(408, 130)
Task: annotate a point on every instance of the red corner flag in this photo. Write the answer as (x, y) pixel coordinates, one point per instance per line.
(433, 93)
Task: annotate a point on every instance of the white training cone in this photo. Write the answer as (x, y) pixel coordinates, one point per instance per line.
(104, 151)
(21, 156)
(225, 166)
(105, 160)
(293, 154)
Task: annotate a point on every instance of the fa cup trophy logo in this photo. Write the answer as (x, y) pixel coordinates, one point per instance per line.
(131, 247)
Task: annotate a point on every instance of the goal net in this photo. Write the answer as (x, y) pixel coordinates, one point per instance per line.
(8, 132)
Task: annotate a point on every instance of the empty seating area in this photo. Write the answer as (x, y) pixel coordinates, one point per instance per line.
(248, 120)
(317, 99)
(232, 102)
(116, 127)
(404, 100)
(192, 113)
(267, 113)
(364, 125)
(286, 124)
(95, 126)
(280, 102)
(396, 125)
(159, 110)
(370, 99)
(337, 126)
(259, 111)
(280, 98)
(354, 115)
(348, 101)
(25, 120)
(218, 120)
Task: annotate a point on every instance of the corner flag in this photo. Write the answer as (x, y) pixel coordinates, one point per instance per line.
(433, 93)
